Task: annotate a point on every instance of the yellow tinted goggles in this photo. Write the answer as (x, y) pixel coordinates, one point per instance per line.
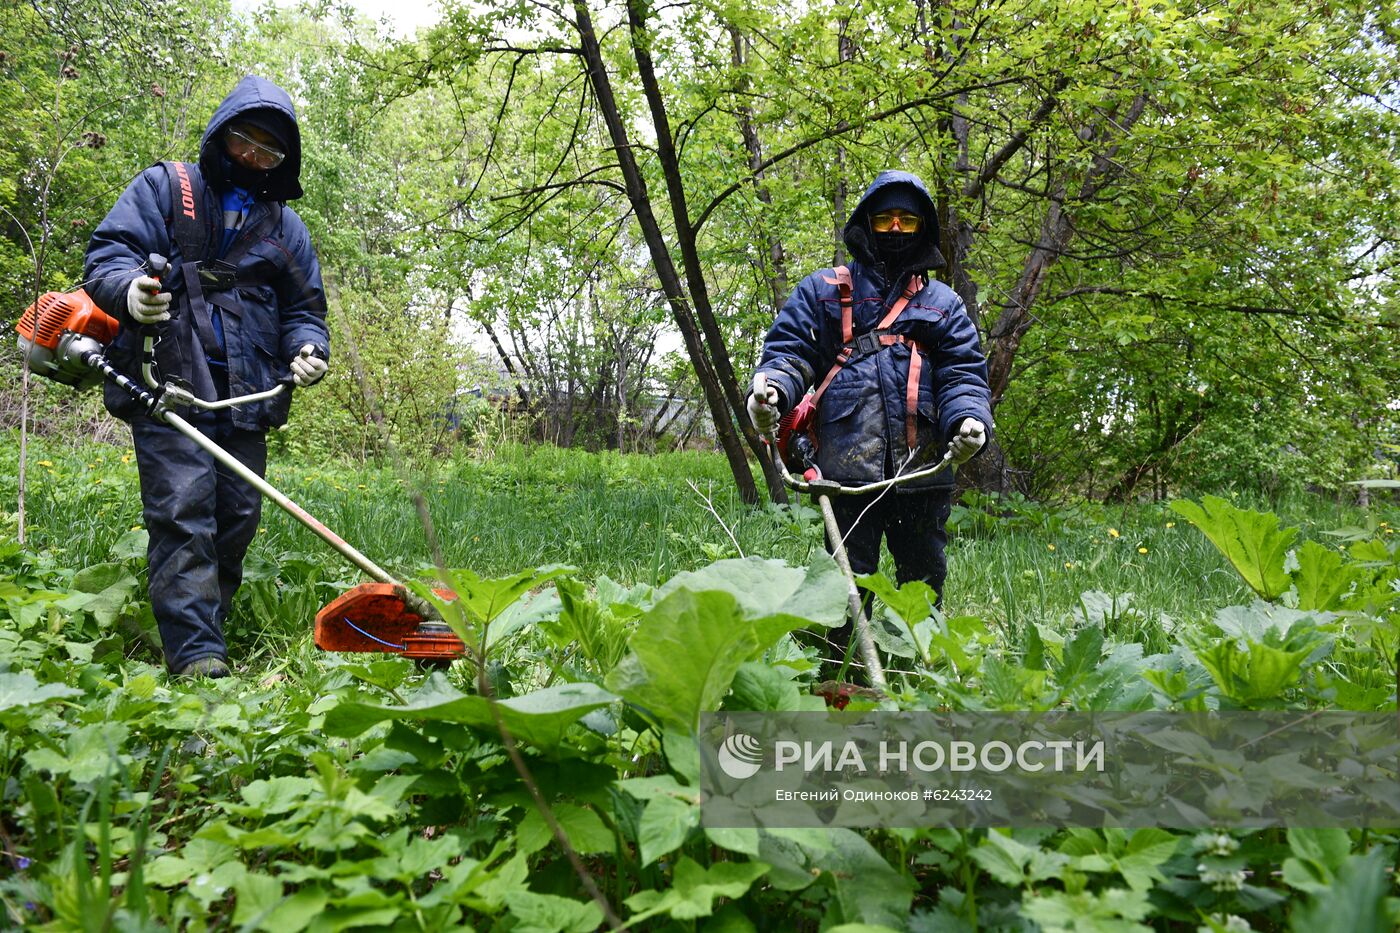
(885, 221)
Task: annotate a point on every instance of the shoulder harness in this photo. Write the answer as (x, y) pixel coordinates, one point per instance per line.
(204, 277)
(872, 341)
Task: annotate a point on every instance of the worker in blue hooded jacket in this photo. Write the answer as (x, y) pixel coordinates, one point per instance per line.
(239, 308)
(872, 337)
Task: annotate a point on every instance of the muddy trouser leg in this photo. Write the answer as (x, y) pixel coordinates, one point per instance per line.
(917, 531)
(863, 549)
(178, 498)
(238, 513)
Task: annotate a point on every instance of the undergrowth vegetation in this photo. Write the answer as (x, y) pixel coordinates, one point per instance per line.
(611, 600)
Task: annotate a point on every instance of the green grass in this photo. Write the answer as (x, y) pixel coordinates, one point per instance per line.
(638, 519)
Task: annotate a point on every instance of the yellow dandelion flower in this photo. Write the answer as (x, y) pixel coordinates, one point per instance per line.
(135, 527)
(1050, 546)
(1142, 550)
(1171, 524)
(45, 463)
(126, 458)
(1069, 565)
(97, 482)
(361, 486)
(1113, 532)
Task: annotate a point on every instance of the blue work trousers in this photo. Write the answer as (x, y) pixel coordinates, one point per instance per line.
(914, 524)
(201, 519)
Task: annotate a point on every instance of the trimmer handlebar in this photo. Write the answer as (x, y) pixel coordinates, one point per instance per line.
(814, 483)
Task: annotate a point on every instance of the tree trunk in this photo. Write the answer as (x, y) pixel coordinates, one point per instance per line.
(690, 255)
(777, 274)
(1056, 231)
(509, 365)
(640, 201)
(845, 52)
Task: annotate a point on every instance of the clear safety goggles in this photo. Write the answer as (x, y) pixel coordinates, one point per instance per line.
(244, 147)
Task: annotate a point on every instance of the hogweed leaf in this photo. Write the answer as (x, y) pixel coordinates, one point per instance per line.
(1320, 577)
(1251, 541)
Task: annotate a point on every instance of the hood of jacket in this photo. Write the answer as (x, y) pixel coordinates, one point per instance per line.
(254, 93)
(857, 231)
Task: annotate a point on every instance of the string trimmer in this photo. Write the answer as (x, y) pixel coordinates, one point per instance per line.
(797, 450)
(64, 336)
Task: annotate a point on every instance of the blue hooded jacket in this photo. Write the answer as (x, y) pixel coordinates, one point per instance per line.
(279, 304)
(861, 428)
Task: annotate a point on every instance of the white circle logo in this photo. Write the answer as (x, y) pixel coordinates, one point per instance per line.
(740, 756)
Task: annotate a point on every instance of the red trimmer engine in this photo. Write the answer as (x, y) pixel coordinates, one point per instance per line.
(57, 329)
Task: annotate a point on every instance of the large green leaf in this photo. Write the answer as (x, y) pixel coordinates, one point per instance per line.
(20, 689)
(538, 718)
(772, 590)
(1135, 858)
(1016, 864)
(549, 913)
(1257, 673)
(480, 600)
(1115, 910)
(665, 824)
(1321, 579)
(1251, 541)
(584, 828)
(706, 624)
(693, 889)
(762, 688)
(684, 656)
(869, 888)
(912, 603)
(1354, 903)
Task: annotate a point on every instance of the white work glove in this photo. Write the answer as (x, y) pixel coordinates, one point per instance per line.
(763, 405)
(972, 434)
(145, 302)
(307, 368)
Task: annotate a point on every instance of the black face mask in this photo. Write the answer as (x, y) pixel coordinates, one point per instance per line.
(250, 179)
(897, 251)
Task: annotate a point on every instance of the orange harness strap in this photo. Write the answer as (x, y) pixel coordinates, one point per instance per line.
(842, 281)
(911, 396)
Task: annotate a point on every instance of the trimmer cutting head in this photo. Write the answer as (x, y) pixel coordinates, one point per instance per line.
(374, 617)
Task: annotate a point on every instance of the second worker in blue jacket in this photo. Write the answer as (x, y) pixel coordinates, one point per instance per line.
(912, 380)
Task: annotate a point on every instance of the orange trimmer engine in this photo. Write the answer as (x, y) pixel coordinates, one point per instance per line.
(375, 617)
(57, 329)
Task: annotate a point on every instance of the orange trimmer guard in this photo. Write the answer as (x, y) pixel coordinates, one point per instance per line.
(373, 617)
